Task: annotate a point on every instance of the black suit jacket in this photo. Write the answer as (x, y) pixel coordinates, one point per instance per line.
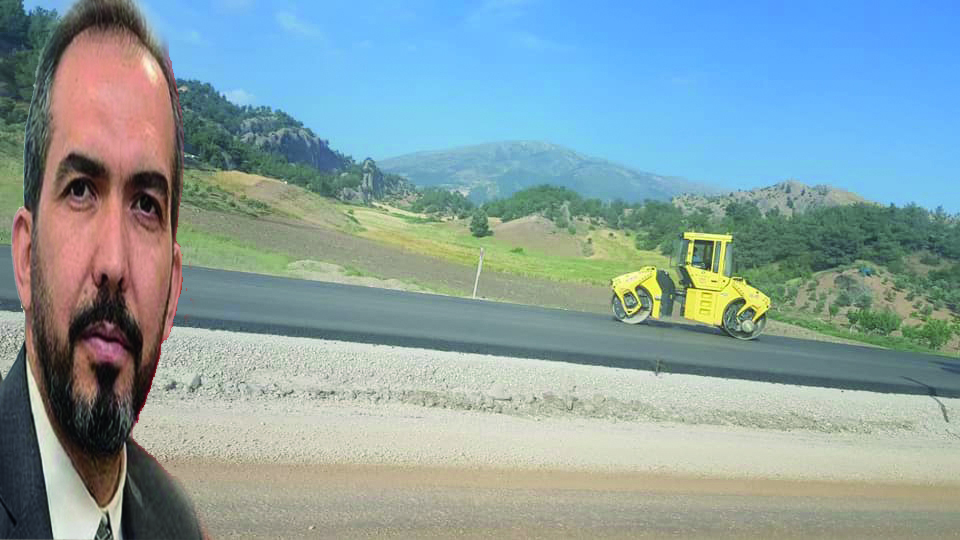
(154, 505)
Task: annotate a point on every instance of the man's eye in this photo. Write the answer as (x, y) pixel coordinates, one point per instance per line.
(79, 189)
(147, 205)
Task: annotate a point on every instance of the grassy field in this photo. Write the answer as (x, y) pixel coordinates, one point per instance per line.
(452, 241)
(11, 177)
(221, 251)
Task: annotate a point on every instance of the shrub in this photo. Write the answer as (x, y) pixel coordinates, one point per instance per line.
(843, 299)
(834, 309)
(844, 282)
(880, 322)
(572, 230)
(935, 333)
(518, 250)
(929, 259)
(896, 266)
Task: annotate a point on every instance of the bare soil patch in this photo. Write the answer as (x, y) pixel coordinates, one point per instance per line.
(880, 286)
(537, 233)
(287, 198)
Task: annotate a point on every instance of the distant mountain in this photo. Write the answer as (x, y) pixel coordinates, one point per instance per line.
(790, 197)
(487, 171)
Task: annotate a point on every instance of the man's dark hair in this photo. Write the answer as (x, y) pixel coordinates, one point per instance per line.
(105, 16)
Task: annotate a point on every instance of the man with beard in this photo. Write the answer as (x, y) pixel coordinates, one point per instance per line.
(99, 273)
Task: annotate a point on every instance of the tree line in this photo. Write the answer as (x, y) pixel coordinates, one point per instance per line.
(22, 36)
(816, 240)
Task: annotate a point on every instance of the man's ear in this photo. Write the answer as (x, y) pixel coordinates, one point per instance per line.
(22, 250)
(176, 286)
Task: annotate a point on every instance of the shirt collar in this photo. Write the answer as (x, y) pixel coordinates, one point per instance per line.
(74, 513)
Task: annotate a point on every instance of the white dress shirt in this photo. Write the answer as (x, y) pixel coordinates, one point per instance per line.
(74, 513)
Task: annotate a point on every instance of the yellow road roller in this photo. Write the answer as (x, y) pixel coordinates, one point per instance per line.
(708, 291)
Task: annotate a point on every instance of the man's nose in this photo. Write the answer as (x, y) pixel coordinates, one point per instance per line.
(111, 253)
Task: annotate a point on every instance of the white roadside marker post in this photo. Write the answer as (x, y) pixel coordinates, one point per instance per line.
(477, 281)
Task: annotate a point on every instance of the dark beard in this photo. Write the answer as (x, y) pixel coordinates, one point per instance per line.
(99, 428)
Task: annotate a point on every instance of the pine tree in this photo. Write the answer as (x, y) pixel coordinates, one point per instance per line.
(479, 225)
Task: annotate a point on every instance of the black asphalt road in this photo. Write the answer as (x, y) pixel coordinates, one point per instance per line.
(253, 303)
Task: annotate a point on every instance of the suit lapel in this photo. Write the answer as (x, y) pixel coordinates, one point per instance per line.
(139, 519)
(22, 489)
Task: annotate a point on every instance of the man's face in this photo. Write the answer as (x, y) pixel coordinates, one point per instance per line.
(105, 272)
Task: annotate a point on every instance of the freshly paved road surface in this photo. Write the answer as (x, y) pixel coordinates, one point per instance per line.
(218, 299)
(303, 501)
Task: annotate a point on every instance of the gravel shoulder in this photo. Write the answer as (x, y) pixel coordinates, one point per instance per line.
(243, 398)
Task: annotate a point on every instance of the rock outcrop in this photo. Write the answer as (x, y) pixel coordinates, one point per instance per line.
(375, 186)
(298, 145)
(789, 198)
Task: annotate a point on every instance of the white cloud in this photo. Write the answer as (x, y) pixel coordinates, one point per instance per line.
(295, 25)
(502, 18)
(239, 96)
(498, 11)
(534, 42)
(235, 5)
(191, 36)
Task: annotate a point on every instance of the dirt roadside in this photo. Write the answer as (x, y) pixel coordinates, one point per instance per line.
(346, 501)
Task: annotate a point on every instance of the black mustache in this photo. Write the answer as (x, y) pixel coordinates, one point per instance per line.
(112, 309)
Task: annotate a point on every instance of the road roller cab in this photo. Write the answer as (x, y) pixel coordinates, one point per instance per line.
(707, 292)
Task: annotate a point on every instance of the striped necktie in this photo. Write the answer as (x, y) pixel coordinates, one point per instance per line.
(104, 532)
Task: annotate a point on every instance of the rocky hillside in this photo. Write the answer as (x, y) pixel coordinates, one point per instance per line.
(273, 131)
(270, 142)
(487, 171)
(789, 197)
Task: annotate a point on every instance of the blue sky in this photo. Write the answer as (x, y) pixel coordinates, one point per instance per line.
(859, 95)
